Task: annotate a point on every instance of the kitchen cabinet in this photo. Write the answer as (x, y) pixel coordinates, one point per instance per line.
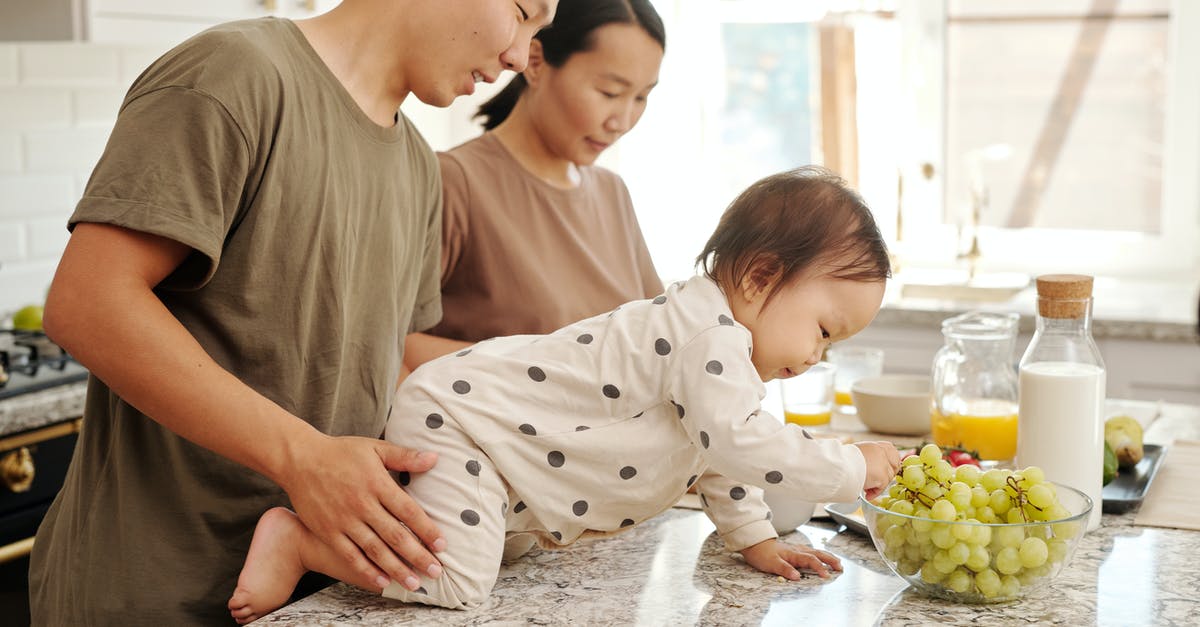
(170, 21)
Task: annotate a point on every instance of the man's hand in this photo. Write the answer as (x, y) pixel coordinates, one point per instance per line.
(781, 558)
(340, 488)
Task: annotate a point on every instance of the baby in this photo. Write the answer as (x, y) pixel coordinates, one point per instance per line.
(605, 423)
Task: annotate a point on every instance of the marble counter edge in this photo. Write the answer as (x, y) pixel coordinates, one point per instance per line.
(932, 317)
(42, 408)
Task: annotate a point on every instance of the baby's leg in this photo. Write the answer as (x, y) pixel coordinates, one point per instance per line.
(463, 495)
(281, 551)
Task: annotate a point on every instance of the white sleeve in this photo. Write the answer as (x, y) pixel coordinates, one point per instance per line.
(714, 384)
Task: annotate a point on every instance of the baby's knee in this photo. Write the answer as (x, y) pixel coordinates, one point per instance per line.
(453, 590)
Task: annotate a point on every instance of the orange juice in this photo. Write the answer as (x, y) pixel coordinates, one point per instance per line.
(842, 397)
(986, 426)
(807, 419)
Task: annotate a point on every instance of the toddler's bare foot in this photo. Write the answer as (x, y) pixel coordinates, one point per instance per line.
(272, 569)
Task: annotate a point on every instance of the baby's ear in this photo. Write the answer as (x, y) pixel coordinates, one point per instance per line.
(761, 277)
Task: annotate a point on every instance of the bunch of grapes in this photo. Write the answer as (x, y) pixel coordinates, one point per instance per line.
(933, 543)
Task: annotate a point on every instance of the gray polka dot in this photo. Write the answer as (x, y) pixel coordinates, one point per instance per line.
(463, 353)
(403, 477)
(628, 522)
(692, 480)
(639, 414)
(806, 433)
(557, 535)
(628, 472)
(556, 459)
(470, 516)
(586, 338)
(420, 590)
(582, 428)
(704, 500)
(714, 367)
(473, 467)
(611, 391)
(662, 346)
(660, 299)
(704, 439)
(579, 508)
(737, 493)
(519, 507)
(434, 421)
(504, 509)
(527, 429)
(537, 374)
(774, 476)
(725, 320)
(462, 387)
(678, 409)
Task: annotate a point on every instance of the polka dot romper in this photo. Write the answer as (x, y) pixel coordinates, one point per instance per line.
(597, 427)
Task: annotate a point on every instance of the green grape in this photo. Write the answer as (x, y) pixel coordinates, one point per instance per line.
(912, 551)
(993, 479)
(979, 496)
(922, 523)
(988, 582)
(959, 553)
(1008, 561)
(932, 491)
(985, 514)
(1057, 512)
(941, 471)
(1034, 475)
(981, 535)
(1057, 550)
(960, 495)
(1014, 516)
(893, 551)
(930, 454)
(930, 573)
(943, 510)
(943, 562)
(999, 501)
(911, 460)
(902, 507)
(1040, 496)
(979, 559)
(1033, 552)
(1008, 536)
(968, 474)
(942, 538)
(1065, 529)
(959, 581)
(913, 477)
(897, 491)
(1009, 586)
(962, 532)
(907, 567)
(895, 536)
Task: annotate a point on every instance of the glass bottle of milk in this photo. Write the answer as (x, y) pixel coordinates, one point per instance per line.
(1060, 423)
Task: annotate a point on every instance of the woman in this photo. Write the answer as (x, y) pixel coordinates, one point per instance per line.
(535, 236)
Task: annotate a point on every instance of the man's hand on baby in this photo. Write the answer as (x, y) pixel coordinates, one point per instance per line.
(341, 489)
(883, 460)
(783, 559)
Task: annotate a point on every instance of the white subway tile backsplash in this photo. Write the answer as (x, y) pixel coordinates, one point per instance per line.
(69, 150)
(32, 195)
(12, 242)
(24, 283)
(98, 106)
(68, 64)
(8, 64)
(34, 107)
(10, 151)
(135, 60)
(48, 236)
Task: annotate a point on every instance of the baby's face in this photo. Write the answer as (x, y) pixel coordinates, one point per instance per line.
(804, 318)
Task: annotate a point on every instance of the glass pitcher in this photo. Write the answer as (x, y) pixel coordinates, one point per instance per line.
(975, 385)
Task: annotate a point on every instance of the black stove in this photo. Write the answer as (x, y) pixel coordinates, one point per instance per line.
(29, 362)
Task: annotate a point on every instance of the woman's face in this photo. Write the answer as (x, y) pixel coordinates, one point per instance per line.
(597, 95)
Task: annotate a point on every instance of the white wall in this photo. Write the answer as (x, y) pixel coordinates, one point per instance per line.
(58, 102)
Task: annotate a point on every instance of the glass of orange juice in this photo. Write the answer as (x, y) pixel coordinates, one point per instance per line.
(853, 363)
(808, 397)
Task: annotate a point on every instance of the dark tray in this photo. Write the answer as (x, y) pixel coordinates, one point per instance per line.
(1129, 488)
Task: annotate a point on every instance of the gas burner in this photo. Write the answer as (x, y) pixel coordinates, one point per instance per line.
(30, 361)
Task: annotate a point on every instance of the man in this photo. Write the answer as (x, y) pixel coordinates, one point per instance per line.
(258, 237)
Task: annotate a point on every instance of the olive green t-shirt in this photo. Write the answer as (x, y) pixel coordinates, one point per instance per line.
(316, 247)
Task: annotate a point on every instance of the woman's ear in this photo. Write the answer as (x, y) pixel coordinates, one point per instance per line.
(537, 63)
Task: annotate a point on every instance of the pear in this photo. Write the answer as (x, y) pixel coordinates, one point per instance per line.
(1124, 435)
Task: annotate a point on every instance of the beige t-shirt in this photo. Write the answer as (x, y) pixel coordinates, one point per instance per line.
(522, 256)
(316, 240)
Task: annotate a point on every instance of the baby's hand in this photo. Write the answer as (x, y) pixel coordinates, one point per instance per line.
(781, 558)
(882, 462)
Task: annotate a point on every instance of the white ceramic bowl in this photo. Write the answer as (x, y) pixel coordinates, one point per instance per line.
(787, 512)
(896, 404)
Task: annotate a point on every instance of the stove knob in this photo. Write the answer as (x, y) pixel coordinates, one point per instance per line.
(16, 470)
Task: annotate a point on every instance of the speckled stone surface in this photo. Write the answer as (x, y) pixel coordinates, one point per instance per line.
(673, 571)
(42, 408)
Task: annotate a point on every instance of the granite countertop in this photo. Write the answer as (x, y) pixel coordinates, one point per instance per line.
(42, 408)
(673, 570)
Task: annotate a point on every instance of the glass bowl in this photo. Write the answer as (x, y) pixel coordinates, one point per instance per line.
(974, 562)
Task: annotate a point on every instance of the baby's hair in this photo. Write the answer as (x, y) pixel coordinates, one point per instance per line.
(787, 223)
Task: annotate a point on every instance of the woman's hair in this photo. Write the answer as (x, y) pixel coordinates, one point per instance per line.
(571, 32)
(787, 223)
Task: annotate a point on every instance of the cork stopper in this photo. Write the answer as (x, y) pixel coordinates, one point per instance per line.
(1063, 295)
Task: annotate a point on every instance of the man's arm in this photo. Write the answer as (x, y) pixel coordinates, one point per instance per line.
(101, 308)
